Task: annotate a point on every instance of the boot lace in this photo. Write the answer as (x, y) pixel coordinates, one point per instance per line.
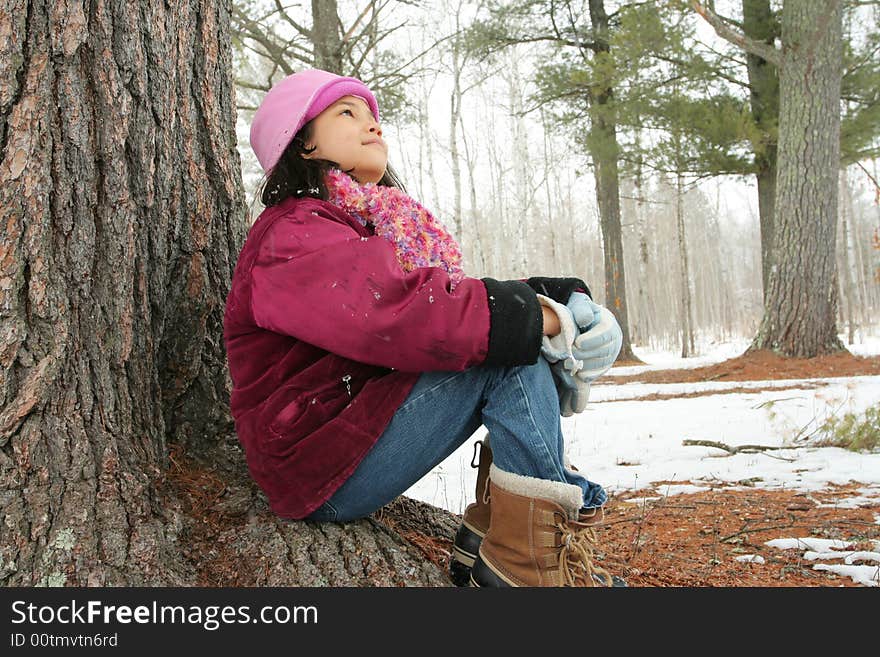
(576, 557)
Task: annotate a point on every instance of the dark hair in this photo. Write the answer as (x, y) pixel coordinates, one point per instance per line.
(294, 175)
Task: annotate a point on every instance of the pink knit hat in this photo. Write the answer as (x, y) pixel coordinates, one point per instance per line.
(293, 102)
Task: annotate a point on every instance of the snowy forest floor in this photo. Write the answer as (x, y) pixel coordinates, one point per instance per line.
(740, 533)
(696, 539)
(719, 537)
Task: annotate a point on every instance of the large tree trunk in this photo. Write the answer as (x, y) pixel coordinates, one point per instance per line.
(605, 150)
(122, 214)
(760, 24)
(235, 540)
(800, 311)
(118, 186)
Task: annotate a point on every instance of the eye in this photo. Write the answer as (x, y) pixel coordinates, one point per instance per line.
(347, 110)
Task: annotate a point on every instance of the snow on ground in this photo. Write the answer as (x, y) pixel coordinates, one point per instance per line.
(711, 353)
(830, 549)
(629, 444)
(625, 442)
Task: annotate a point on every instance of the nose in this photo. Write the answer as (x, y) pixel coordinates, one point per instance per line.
(375, 127)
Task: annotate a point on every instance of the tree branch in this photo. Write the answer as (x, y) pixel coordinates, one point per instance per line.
(745, 449)
(723, 29)
(870, 177)
(719, 74)
(299, 28)
(247, 29)
(350, 31)
(250, 85)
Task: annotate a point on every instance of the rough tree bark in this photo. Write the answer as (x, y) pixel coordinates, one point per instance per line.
(760, 24)
(800, 312)
(121, 215)
(118, 186)
(326, 38)
(604, 151)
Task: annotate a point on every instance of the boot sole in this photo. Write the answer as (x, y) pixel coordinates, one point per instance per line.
(482, 575)
(459, 573)
(464, 554)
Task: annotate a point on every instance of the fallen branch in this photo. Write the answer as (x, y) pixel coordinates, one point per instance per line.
(754, 530)
(745, 449)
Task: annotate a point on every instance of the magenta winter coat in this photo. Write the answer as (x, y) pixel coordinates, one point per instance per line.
(326, 336)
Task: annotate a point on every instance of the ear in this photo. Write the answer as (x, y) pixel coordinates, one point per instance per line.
(306, 146)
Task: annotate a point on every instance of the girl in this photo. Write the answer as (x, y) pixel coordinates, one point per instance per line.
(361, 356)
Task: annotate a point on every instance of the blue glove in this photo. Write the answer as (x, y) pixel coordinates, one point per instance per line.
(598, 346)
(584, 311)
(573, 391)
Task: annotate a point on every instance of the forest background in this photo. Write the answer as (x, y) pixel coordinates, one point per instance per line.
(709, 168)
(489, 122)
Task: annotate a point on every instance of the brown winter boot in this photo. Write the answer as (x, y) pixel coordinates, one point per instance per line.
(474, 522)
(537, 536)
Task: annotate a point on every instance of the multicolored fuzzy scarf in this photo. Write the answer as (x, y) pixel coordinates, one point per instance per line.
(419, 239)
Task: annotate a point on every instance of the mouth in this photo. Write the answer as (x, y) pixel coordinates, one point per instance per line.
(378, 142)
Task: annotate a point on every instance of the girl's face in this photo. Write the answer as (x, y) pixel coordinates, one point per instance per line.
(347, 133)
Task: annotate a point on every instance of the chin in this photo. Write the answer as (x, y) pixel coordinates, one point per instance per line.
(373, 177)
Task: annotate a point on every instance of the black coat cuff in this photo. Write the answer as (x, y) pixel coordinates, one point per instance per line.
(516, 323)
(558, 289)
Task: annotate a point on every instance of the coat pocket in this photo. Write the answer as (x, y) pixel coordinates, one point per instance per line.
(301, 414)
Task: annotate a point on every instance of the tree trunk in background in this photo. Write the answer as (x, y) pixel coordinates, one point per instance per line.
(847, 286)
(326, 38)
(687, 331)
(861, 257)
(122, 215)
(869, 255)
(519, 187)
(725, 303)
(480, 264)
(454, 115)
(422, 123)
(550, 157)
(499, 216)
(426, 134)
(605, 151)
(760, 24)
(644, 328)
(800, 311)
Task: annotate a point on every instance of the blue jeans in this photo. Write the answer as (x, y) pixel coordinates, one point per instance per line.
(518, 405)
